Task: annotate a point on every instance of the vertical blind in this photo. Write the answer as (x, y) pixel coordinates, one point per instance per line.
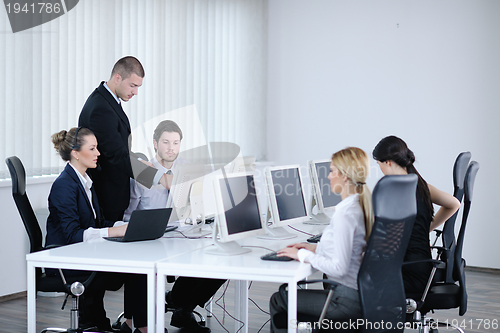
(201, 55)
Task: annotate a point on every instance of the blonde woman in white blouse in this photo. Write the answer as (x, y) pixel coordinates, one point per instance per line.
(338, 254)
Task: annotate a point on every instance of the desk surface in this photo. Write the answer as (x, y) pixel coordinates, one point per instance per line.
(102, 254)
(173, 256)
(246, 266)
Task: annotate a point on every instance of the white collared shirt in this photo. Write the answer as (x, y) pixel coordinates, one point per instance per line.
(90, 233)
(340, 250)
(152, 198)
(112, 93)
(87, 185)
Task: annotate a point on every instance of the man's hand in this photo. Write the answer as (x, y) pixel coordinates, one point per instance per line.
(166, 181)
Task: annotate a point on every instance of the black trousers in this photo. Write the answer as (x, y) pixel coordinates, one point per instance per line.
(188, 292)
(135, 298)
(92, 310)
(344, 304)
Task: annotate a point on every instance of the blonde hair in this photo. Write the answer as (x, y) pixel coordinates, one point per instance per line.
(353, 163)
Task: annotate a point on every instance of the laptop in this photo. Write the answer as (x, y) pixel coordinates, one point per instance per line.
(146, 224)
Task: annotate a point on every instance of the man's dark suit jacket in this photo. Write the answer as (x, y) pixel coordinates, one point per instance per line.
(70, 210)
(105, 117)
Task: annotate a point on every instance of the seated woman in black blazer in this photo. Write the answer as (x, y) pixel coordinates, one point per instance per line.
(75, 217)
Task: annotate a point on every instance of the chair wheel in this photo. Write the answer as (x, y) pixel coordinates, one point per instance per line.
(116, 326)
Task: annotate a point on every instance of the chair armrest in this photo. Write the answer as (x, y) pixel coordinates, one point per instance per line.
(283, 291)
(440, 248)
(438, 232)
(434, 262)
(331, 283)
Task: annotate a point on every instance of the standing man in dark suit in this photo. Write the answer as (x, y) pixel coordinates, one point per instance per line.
(103, 115)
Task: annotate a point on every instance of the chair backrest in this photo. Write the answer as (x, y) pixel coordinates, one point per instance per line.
(18, 175)
(448, 235)
(459, 265)
(380, 281)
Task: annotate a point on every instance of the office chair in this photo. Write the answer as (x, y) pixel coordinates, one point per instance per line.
(447, 295)
(447, 235)
(380, 281)
(70, 286)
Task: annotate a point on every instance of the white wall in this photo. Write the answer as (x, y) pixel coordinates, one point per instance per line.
(14, 243)
(344, 73)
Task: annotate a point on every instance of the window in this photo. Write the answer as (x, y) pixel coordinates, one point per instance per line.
(210, 54)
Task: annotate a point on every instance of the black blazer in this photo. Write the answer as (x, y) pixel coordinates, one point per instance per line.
(70, 210)
(105, 117)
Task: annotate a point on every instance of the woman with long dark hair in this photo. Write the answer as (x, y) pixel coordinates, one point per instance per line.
(394, 157)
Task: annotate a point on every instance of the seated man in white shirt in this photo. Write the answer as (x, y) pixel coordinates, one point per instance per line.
(187, 292)
(167, 139)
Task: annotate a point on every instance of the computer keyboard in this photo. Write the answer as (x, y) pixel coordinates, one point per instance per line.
(314, 239)
(274, 256)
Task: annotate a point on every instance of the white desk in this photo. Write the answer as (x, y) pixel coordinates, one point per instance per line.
(102, 255)
(243, 268)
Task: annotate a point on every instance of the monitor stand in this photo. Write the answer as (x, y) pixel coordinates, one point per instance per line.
(225, 248)
(275, 233)
(318, 219)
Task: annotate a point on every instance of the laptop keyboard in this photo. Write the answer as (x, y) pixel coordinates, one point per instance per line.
(115, 239)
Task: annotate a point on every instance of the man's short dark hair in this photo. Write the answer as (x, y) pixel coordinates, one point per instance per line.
(166, 126)
(127, 66)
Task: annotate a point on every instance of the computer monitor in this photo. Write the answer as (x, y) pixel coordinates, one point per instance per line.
(323, 200)
(186, 194)
(286, 199)
(238, 214)
(191, 194)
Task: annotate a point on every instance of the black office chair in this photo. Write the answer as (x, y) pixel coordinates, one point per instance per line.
(380, 282)
(71, 285)
(447, 234)
(447, 295)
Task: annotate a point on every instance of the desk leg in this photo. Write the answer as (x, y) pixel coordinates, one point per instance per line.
(151, 301)
(241, 305)
(160, 303)
(31, 276)
(292, 307)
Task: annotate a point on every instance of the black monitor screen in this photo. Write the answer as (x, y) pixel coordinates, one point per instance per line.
(288, 190)
(241, 215)
(329, 199)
